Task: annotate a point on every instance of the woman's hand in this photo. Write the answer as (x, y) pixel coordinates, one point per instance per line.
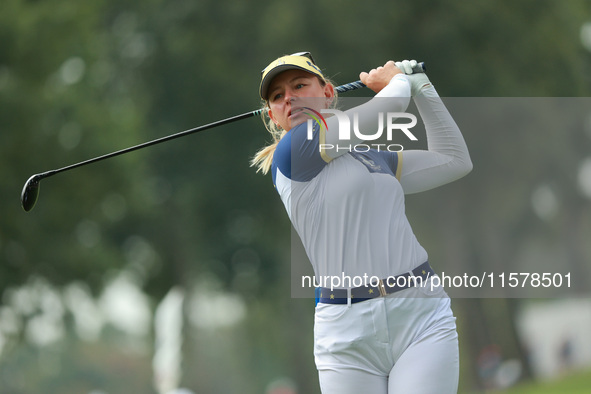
(379, 77)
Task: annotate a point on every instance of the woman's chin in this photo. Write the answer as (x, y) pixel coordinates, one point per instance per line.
(297, 120)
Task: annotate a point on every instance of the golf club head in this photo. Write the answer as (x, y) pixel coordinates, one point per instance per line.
(30, 193)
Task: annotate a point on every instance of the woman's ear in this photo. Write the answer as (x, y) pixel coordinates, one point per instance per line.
(272, 117)
(328, 90)
(329, 94)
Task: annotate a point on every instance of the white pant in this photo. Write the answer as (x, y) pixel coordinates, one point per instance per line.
(403, 343)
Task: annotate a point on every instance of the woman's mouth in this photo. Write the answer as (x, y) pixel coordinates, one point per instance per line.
(295, 112)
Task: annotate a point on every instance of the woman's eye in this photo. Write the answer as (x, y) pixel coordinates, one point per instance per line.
(299, 86)
(277, 97)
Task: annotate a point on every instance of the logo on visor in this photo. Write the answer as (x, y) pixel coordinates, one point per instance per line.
(313, 66)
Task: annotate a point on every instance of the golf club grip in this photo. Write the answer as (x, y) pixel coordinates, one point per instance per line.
(419, 68)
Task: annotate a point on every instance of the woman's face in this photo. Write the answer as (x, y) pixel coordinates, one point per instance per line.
(293, 90)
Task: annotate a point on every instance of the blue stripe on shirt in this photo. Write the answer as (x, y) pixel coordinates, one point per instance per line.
(297, 157)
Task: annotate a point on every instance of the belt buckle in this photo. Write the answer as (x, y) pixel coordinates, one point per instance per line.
(382, 288)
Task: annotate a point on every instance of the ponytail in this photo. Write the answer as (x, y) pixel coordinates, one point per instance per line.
(264, 157)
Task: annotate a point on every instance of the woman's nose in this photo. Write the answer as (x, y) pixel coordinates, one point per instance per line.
(289, 95)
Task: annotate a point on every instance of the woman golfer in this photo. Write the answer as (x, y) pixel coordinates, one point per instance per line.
(395, 333)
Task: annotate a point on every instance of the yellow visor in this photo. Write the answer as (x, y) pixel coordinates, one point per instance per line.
(301, 61)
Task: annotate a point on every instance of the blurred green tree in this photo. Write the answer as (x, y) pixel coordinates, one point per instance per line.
(81, 79)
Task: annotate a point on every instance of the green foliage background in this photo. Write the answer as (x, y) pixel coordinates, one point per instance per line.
(80, 79)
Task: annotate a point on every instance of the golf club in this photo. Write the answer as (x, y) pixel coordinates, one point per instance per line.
(30, 191)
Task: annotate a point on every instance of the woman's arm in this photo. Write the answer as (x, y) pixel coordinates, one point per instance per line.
(447, 157)
(393, 95)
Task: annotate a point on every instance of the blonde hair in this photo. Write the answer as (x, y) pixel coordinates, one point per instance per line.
(264, 157)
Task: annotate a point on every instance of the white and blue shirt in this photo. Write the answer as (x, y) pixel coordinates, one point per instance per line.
(348, 209)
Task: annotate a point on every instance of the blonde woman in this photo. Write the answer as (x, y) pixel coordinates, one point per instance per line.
(395, 333)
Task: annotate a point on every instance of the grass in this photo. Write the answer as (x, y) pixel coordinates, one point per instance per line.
(576, 383)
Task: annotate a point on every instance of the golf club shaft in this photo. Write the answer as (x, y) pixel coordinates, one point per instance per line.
(30, 190)
(38, 177)
(342, 88)
(150, 143)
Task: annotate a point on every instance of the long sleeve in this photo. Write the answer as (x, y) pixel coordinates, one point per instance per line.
(394, 97)
(447, 157)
